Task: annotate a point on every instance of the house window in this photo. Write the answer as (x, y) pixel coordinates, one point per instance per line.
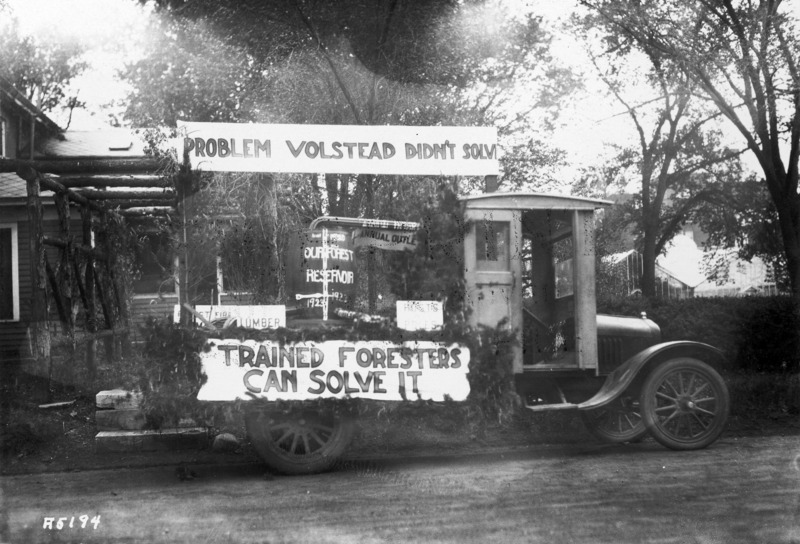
(9, 273)
(155, 259)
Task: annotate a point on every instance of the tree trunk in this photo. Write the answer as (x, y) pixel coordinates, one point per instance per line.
(273, 280)
(789, 219)
(648, 284)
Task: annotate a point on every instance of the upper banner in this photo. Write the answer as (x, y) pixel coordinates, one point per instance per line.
(340, 149)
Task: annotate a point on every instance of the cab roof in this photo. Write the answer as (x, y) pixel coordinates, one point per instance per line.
(531, 201)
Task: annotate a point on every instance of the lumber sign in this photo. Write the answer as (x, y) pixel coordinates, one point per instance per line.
(339, 149)
(380, 370)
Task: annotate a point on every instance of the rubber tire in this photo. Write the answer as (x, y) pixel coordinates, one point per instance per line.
(265, 429)
(592, 420)
(658, 423)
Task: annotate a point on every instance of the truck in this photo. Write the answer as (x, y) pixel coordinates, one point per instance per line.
(529, 266)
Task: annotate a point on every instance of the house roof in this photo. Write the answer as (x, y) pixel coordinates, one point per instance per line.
(11, 186)
(107, 143)
(531, 201)
(13, 98)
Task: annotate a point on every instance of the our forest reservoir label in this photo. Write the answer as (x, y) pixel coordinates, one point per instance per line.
(339, 149)
(334, 369)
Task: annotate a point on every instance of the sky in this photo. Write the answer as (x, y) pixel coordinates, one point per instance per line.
(115, 30)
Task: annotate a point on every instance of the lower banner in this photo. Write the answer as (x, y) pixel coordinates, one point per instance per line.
(377, 370)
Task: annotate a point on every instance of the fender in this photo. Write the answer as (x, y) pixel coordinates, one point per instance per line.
(641, 363)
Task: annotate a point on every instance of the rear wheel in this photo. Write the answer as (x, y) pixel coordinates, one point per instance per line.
(617, 422)
(299, 441)
(685, 404)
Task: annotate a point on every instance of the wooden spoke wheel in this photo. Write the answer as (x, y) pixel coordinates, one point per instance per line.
(299, 441)
(617, 422)
(685, 404)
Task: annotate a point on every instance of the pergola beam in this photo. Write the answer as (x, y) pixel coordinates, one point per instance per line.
(28, 173)
(61, 243)
(116, 181)
(95, 194)
(89, 165)
(124, 204)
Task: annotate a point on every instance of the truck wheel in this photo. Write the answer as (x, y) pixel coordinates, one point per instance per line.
(299, 441)
(617, 422)
(685, 404)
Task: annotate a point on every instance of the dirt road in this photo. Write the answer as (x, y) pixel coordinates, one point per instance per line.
(739, 490)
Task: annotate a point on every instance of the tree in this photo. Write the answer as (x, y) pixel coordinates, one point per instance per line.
(742, 57)
(42, 70)
(678, 162)
(352, 62)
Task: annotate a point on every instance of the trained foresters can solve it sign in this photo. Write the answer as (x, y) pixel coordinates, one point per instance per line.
(380, 370)
(339, 149)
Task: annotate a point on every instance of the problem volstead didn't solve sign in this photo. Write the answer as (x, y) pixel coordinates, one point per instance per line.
(340, 149)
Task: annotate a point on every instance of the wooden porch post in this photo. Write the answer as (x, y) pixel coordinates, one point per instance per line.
(39, 331)
(91, 317)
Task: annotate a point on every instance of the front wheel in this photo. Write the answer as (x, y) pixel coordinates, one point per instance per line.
(685, 404)
(618, 422)
(299, 441)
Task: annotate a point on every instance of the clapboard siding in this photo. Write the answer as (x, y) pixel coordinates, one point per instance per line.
(13, 335)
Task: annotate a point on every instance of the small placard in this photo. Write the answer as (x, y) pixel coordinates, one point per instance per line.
(419, 315)
(250, 317)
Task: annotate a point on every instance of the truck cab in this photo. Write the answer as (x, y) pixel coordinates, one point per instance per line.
(529, 264)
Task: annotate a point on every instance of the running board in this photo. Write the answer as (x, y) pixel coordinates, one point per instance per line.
(551, 407)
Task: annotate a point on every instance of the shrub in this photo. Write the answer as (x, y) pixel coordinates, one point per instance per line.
(758, 334)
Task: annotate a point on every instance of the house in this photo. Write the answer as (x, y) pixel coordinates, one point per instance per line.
(59, 192)
(23, 129)
(687, 268)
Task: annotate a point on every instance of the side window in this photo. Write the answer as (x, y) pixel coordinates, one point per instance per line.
(562, 262)
(9, 279)
(492, 245)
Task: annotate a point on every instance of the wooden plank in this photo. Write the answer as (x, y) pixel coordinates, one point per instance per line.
(91, 165)
(119, 420)
(118, 399)
(147, 212)
(97, 194)
(124, 204)
(26, 172)
(116, 181)
(150, 440)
